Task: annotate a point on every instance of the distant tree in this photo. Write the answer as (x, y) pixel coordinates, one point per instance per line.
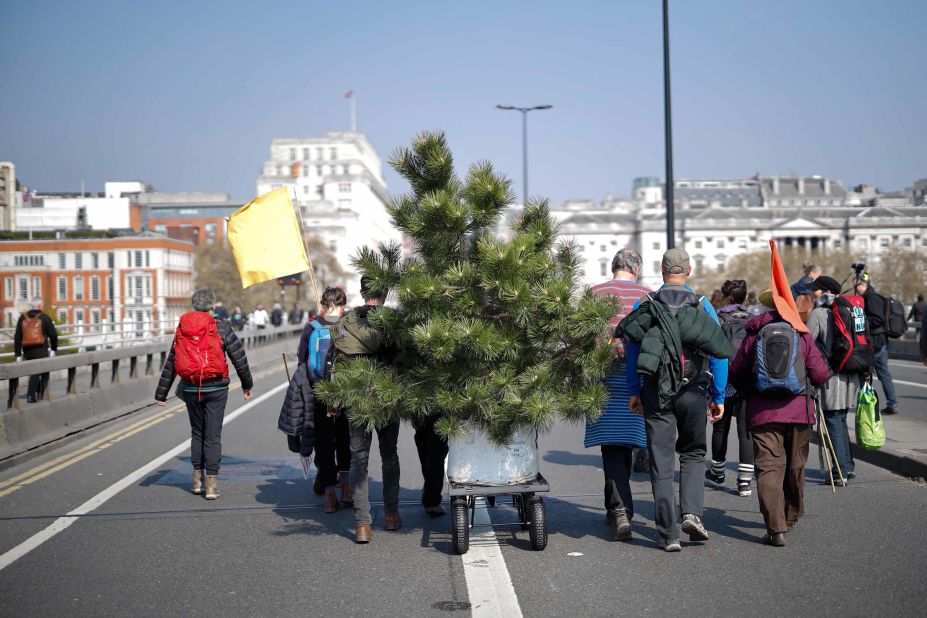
(902, 274)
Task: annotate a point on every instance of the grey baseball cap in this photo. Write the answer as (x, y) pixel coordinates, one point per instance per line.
(675, 262)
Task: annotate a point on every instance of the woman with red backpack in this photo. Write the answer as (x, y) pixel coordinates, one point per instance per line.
(197, 355)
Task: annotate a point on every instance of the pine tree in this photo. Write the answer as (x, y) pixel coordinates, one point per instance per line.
(496, 333)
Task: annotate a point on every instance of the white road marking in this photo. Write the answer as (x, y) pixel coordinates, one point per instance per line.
(894, 381)
(65, 521)
(489, 585)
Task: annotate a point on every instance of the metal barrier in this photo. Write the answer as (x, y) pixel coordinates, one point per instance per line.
(71, 362)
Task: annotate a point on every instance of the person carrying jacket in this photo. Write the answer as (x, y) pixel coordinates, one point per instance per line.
(677, 423)
(838, 394)
(35, 337)
(781, 429)
(297, 415)
(206, 399)
(875, 316)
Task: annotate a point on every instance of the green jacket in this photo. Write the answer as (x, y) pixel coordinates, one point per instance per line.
(662, 337)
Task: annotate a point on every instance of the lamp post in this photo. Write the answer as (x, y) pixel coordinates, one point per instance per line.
(524, 141)
(668, 121)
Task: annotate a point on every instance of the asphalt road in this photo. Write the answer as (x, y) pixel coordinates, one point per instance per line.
(266, 548)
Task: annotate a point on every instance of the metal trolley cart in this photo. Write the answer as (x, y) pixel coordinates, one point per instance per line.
(532, 514)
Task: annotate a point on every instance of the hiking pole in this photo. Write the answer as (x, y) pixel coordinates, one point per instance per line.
(833, 452)
(285, 366)
(822, 449)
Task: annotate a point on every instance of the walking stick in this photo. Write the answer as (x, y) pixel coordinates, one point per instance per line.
(285, 366)
(833, 453)
(822, 450)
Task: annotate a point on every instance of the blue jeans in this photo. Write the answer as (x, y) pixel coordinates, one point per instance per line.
(836, 421)
(881, 367)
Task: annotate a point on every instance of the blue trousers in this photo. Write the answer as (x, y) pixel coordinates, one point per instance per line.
(885, 377)
(836, 421)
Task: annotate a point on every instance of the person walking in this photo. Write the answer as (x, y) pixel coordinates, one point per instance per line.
(875, 315)
(276, 316)
(802, 287)
(260, 318)
(238, 318)
(838, 394)
(780, 418)
(221, 312)
(332, 434)
(357, 339)
(618, 432)
(733, 317)
(918, 312)
(673, 398)
(197, 355)
(35, 337)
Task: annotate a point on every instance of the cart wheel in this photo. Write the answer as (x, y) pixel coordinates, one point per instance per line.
(460, 525)
(537, 523)
(490, 501)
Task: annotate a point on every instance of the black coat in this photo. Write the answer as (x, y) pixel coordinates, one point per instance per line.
(48, 327)
(297, 415)
(233, 348)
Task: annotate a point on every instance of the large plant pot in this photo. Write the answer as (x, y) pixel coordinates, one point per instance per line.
(473, 458)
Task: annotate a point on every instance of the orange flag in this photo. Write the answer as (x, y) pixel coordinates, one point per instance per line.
(782, 292)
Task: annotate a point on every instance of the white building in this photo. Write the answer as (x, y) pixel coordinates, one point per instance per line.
(108, 210)
(338, 182)
(8, 196)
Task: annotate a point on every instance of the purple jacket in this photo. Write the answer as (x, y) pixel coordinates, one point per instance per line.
(762, 410)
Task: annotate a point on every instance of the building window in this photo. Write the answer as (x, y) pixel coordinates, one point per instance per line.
(78, 261)
(305, 170)
(78, 316)
(883, 242)
(212, 232)
(147, 259)
(78, 288)
(305, 154)
(23, 291)
(319, 154)
(333, 153)
(721, 268)
(62, 288)
(109, 288)
(95, 317)
(94, 288)
(656, 267)
(698, 244)
(656, 246)
(95, 261)
(147, 287)
(344, 203)
(318, 170)
(320, 191)
(603, 267)
(63, 316)
(720, 243)
(924, 241)
(62, 261)
(292, 154)
(8, 288)
(36, 286)
(344, 187)
(333, 245)
(138, 259)
(907, 242)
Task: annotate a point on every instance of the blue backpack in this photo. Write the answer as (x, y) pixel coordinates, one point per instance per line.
(320, 351)
(779, 366)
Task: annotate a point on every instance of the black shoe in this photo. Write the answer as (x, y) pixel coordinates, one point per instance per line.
(692, 526)
(776, 539)
(31, 399)
(714, 479)
(890, 411)
(317, 487)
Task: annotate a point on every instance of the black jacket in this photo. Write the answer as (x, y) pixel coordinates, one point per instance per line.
(233, 348)
(875, 315)
(51, 334)
(297, 415)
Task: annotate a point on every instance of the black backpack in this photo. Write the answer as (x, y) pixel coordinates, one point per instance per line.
(895, 324)
(694, 363)
(734, 327)
(851, 351)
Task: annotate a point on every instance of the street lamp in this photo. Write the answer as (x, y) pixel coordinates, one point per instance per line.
(668, 124)
(524, 141)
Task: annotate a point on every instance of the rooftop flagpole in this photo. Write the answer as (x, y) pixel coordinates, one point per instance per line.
(350, 95)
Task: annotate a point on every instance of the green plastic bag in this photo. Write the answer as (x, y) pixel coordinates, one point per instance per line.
(870, 432)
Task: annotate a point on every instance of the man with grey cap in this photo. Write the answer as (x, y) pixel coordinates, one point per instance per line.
(679, 426)
(197, 355)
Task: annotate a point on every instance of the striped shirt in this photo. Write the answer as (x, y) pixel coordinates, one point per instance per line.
(617, 425)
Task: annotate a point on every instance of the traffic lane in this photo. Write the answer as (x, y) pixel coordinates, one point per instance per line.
(41, 489)
(264, 548)
(871, 522)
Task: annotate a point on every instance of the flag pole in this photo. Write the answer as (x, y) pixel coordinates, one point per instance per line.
(353, 111)
(302, 232)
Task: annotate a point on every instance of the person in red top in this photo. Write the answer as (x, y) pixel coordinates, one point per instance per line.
(618, 432)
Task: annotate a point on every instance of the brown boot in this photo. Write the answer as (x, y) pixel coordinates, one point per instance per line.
(392, 521)
(347, 494)
(363, 534)
(212, 487)
(197, 482)
(331, 500)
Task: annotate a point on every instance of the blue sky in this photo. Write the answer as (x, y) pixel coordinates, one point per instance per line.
(188, 95)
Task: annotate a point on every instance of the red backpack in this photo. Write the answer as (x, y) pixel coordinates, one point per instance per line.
(852, 347)
(198, 352)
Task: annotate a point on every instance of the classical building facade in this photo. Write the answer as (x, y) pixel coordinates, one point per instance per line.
(338, 182)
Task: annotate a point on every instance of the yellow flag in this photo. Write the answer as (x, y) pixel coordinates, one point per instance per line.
(266, 240)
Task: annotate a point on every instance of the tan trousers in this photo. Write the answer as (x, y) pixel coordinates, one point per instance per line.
(780, 453)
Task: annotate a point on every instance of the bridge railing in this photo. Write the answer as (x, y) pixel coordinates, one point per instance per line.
(144, 358)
